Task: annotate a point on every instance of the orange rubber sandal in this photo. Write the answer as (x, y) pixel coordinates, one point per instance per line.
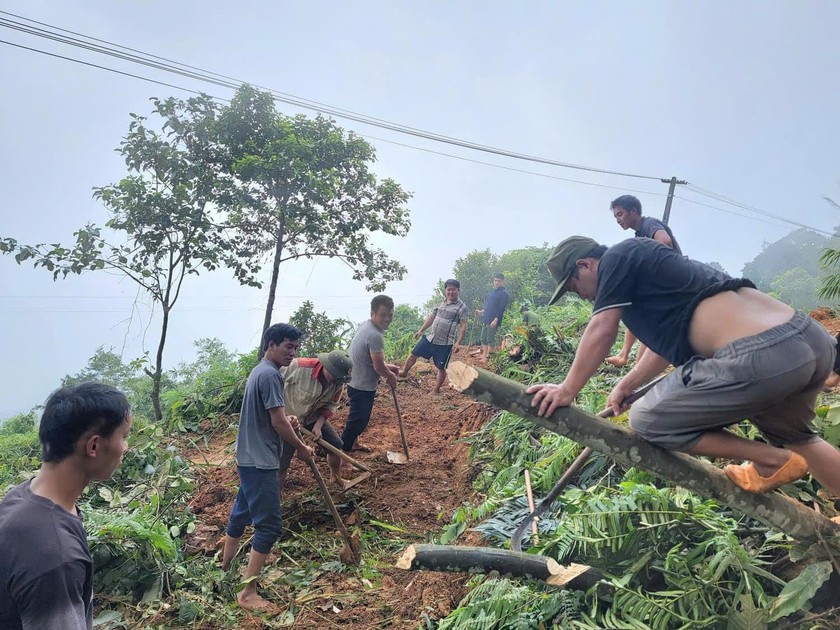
(747, 478)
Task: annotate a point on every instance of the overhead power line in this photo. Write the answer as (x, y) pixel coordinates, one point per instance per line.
(194, 72)
(168, 65)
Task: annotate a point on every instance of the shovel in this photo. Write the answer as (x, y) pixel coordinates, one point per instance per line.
(351, 552)
(571, 471)
(394, 457)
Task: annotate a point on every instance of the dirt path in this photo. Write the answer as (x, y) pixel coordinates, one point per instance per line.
(417, 498)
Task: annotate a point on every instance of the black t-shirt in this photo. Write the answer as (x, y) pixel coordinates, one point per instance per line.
(46, 572)
(658, 290)
(651, 226)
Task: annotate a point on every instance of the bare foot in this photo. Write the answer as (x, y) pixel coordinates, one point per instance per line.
(339, 483)
(364, 448)
(255, 603)
(617, 361)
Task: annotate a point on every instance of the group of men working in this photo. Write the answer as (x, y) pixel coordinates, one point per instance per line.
(737, 353)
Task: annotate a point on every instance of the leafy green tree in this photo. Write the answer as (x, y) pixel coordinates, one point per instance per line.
(307, 189)
(526, 276)
(801, 248)
(321, 333)
(105, 366)
(399, 338)
(798, 288)
(163, 223)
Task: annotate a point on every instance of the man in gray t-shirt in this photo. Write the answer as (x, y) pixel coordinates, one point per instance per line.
(368, 356)
(264, 432)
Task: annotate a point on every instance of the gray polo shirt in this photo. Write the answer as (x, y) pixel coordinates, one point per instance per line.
(368, 338)
(257, 443)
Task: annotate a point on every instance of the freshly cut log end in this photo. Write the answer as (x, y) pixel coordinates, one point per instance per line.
(461, 375)
(406, 559)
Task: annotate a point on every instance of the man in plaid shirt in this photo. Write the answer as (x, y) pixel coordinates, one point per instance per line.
(442, 323)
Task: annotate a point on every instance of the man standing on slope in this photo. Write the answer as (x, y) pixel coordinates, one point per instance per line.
(265, 439)
(367, 352)
(627, 211)
(446, 319)
(491, 315)
(46, 571)
(313, 389)
(738, 354)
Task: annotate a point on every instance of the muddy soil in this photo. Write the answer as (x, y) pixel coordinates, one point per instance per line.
(418, 498)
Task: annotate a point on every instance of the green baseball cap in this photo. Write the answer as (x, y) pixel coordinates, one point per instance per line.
(338, 364)
(562, 261)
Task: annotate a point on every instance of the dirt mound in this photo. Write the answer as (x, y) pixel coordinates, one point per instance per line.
(417, 498)
(827, 317)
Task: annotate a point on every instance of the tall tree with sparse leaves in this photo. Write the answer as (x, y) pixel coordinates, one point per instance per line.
(306, 189)
(162, 225)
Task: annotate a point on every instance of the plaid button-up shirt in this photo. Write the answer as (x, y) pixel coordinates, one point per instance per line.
(448, 315)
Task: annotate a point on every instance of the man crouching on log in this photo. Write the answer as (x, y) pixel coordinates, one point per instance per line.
(739, 354)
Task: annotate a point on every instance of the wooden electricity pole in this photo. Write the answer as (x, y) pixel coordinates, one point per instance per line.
(673, 184)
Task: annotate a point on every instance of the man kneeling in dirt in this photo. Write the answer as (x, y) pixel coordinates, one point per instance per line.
(265, 435)
(313, 389)
(739, 354)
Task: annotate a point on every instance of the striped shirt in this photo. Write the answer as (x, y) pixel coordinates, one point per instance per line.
(448, 315)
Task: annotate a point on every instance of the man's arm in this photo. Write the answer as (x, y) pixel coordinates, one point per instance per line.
(425, 325)
(383, 369)
(595, 345)
(326, 412)
(283, 427)
(662, 237)
(54, 600)
(646, 368)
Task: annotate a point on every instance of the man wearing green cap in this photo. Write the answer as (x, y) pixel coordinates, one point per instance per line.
(313, 389)
(738, 354)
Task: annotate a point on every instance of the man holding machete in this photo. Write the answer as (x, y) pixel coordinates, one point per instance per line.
(739, 354)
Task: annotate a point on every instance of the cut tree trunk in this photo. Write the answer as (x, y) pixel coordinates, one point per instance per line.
(506, 563)
(773, 509)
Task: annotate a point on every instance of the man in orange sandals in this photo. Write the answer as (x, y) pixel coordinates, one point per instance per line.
(739, 354)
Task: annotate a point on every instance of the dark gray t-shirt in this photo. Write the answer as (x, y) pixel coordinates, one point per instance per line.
(651, 226)
(368, 338)
(46, 572)
(257, 443)
(658, 290)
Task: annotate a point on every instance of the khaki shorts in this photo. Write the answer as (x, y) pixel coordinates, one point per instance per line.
(771, 379)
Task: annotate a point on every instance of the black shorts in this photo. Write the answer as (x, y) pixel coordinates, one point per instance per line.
(436, 352)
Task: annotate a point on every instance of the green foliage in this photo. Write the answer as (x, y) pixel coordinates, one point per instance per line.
(399, 338)
(798, 288)
(800, 248)
(799, 591)
(20, 455)
(500, 604)
(212, 385)
(20, 423)
(526, 276)
(322, 334)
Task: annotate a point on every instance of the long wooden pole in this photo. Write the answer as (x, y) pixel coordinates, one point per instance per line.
(773, 509)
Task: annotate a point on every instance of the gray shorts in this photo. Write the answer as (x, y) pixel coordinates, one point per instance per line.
(489, 336)
(771, 379)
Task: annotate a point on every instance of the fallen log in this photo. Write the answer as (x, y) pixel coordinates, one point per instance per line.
(462, 559)
(773, 509)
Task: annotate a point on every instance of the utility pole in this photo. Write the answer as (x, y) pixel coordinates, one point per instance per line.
(673, 181)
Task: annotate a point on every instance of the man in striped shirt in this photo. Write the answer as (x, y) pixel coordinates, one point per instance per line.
(446, 319)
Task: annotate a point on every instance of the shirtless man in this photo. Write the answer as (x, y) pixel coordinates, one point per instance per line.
(738, 354)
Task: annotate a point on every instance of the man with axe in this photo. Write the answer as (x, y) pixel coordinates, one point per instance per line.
(313, 389)
(738, 354)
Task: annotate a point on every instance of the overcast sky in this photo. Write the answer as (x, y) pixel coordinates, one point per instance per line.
(738, 98)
